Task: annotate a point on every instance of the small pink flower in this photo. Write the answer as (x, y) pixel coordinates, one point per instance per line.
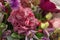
(56, 22)
(23, 20)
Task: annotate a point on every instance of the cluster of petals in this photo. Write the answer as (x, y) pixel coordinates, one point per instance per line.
(23, 20)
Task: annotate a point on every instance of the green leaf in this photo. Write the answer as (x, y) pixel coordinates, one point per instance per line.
(39, 35)
(15, 35)
(9, 38)
(38, 16)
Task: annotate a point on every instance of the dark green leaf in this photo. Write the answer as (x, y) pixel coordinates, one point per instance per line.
(39, 35)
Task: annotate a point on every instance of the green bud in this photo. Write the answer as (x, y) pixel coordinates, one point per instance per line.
(6, 3)
(44, 25)
(49, 16)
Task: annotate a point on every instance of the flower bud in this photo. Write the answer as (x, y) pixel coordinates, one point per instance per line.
(44, 25)
(49, 16)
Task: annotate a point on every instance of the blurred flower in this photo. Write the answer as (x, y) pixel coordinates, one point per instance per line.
(49, 16)
(23, 20)
(57, 3)
(55, 35)
(30, 35)
(50, 30)
(45, 38)
(6, 33)
(44, 25)
(14, 3)
(56, 22)
(46, 5)
(46, 33)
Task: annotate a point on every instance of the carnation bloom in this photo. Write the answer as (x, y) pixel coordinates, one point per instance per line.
(23, 20)
(49, 6)
(56, 23)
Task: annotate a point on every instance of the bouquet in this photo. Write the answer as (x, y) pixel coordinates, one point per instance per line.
(29, 20)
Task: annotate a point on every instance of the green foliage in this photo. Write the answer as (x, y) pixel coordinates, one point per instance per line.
(0, 33)
(15, 35)
(39, 35)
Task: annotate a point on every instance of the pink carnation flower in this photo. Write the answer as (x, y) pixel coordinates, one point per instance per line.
(56, 22)
(23, 20)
